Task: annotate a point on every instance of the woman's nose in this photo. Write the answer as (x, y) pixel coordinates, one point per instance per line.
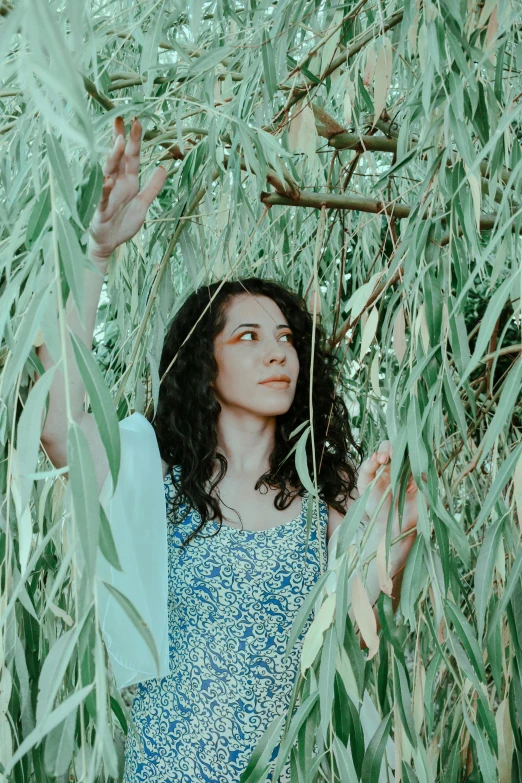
(275, 350)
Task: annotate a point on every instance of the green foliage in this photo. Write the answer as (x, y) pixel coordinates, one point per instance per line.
(366, 152)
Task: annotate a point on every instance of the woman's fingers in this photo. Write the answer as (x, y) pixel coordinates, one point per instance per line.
(370, 466)
(112, 164)
(120, 188)
(132, 150)
(412, 486)
(153, 186)
(115, 163)
(118, 129)
(384, 452)
(107, 186)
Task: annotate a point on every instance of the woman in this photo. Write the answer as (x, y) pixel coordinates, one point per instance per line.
(234, 398)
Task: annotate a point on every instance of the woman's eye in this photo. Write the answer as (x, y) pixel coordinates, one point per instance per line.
(286, 334)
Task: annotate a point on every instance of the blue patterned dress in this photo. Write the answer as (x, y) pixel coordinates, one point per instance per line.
(232, 601)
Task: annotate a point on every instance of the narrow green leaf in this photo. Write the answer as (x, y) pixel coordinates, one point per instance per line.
(413, 579)
(485, 757)
(301, 463)
(433, 306)
(489, 319)
(53, 670)
(209, 60)
(510, 394)
(341, 602)
(341, 710)
(29, 432)
(467, 638)
(149, 53)
(38, 217)
(459, 336)
(63, 176)
(375, 751)
(61, 72)
(408, 775)
(304, 612)
(416, 447)
(351, 523)
(73, 261)
(24, 337)
(136, 619)
(403, 701)
(429, 687)
(419, 369)
(512, 580)
(103, 730)
(309, 75)
(503, 474)
(344, 760)
(494, 647)
(119, 714)
(90, 194)
(267, 54)
(107, 545)
(326, 678)
(248, 150)
(85, 503)
(59, 746)
(255, 771)
(453, 400)
(102, 404)
(392, 631)
(297, 721)
(49, 723)
(484, 710)
(484, 572)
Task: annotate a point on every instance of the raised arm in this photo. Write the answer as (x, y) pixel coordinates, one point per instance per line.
(119, 216)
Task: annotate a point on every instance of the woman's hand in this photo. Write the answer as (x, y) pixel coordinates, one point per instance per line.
(122, 209)
(367, 474)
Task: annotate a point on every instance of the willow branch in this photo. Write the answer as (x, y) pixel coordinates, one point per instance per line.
(334, 201)
(351, 141)
(487, 223)
(376, 29)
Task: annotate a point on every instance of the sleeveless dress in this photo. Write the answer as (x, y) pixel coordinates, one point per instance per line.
(232, 600)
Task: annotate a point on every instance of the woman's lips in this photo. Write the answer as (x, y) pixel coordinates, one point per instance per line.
(277, 384)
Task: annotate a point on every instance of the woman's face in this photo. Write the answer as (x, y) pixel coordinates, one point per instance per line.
(255, 344)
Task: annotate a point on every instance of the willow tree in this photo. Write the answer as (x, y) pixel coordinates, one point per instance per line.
(368, 154)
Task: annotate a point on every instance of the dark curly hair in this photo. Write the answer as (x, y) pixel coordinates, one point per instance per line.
(186, 418)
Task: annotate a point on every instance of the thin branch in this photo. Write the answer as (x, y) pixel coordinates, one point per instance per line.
(349, 323)
(308, 56)
(351, 141)
(335, 201)
(487, 223)
(376, 29)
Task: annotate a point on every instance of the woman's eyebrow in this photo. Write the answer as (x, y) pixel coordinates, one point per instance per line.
(258, 326)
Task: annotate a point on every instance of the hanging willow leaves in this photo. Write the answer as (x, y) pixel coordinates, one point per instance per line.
(102, 409)
(368, 155)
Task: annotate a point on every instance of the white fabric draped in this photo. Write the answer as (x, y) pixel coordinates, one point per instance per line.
(137, 515)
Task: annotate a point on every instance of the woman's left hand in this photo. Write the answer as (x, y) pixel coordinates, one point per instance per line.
(367, 474)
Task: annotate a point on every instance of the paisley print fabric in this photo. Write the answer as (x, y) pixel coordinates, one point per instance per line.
(231, 604)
